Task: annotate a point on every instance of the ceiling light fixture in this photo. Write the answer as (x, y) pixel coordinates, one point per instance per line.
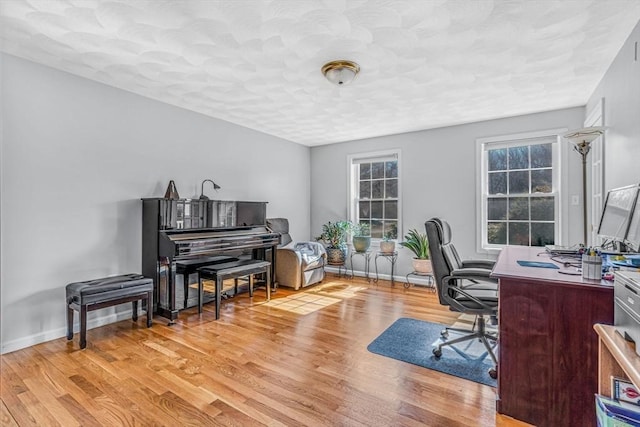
(340, 72)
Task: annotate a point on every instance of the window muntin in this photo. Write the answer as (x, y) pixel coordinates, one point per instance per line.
(520, 193)
(375, 193)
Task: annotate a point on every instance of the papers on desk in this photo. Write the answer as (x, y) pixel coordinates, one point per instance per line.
(537, 264)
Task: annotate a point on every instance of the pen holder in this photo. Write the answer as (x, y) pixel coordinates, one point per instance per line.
(591, 267)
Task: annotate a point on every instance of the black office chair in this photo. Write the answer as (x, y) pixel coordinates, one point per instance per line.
(463, 286)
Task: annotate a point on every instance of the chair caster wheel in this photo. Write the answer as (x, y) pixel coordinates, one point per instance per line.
(444, 333)
(493, 373)
(437, 353)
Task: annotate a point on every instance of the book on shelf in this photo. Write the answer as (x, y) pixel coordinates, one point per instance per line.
(616, 413)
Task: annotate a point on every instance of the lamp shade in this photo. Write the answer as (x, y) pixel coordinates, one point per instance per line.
(586, 135)
(340, 72)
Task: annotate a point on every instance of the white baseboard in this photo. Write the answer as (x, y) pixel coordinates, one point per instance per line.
(414, 280)
(28, 341)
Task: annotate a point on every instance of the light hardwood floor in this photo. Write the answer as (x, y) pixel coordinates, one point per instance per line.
(299, 360)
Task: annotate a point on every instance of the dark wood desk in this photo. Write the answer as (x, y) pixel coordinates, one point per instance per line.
(548, 352)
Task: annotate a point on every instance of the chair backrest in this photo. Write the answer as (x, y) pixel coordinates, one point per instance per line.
(441, 266)
(281, 226)
(450, 252)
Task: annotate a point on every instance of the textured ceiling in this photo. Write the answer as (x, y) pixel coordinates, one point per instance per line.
(424, 63)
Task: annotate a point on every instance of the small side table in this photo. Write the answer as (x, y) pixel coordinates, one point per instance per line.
(340, 267)
(430, 281)
(392, 257)
(367, 260)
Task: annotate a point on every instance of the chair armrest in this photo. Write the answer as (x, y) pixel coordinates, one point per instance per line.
(478, 263)
(482, 295)
(478, 278)
(288, 267)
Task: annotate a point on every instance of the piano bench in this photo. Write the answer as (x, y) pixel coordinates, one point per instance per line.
(187, 267)
(106, 292)
(232, 270)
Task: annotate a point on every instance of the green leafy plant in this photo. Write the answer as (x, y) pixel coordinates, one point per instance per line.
(361, 229)
(418, 243)
(334, 234)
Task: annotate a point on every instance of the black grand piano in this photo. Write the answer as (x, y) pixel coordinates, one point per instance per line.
(179, 235)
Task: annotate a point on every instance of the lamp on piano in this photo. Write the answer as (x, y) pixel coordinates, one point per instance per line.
(215, 187)
(581, 140)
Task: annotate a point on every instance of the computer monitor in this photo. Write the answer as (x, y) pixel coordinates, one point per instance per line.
(633, 235)
(617, 212)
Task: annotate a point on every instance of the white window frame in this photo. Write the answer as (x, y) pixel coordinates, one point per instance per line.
(559, 180)
(352, 190)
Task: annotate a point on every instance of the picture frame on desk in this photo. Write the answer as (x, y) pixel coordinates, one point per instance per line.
(624, 390)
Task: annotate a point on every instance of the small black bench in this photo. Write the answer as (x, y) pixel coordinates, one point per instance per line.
(232, 270)
(106, 292)
(187, 267)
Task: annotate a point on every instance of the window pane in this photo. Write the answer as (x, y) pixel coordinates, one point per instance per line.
(376, 229)
(377, 189)
(519, 182)
(498, 159)
(541, 156)
(377, 170)
(376, 210)
(519, 208)
(541, 181)
(498, 183)
(497, 233)
(542, 209)
(519, 157)
(519, 233)
(391, 169)
(365, 189)
(364, 210)
(391, 210)
(391, 229)
(542, 234)
(496, 209)
(365, 171)
(391, 188)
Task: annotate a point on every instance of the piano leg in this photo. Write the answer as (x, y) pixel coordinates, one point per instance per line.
(219, 281)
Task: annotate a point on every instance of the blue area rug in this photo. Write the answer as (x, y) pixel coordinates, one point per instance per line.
(412, 341)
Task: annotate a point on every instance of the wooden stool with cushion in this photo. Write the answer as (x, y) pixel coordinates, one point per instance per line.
(106, 292)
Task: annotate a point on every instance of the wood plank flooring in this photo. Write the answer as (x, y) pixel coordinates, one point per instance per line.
(299, 360)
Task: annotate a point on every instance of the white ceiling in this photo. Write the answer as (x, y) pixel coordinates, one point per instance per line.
(424, 63)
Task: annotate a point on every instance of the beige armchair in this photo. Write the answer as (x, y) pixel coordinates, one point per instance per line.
(300, 264)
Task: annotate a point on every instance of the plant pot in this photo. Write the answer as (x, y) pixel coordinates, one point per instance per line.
(361, 243)
(422, 266)
(387, 247)
(336, 256)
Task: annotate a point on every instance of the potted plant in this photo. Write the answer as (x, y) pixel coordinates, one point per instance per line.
(334, 237)
(418, 244)
(387, 244)
(361, 237)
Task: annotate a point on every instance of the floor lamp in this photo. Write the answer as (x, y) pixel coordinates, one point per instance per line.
(581, 140)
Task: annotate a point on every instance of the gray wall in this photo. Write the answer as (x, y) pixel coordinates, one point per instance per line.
(439, 176)
(620, 88)
(77, 156)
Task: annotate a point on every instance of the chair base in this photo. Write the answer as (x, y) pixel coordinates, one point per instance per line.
(480, 333)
